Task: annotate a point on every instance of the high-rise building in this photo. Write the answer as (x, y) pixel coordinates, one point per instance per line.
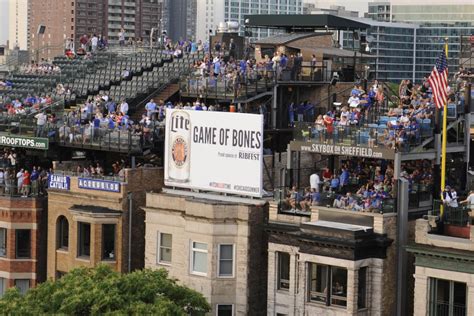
(179, 18)
(311, 8)
(63, 20)
(18, 24)
(407, 37)
(379, 11)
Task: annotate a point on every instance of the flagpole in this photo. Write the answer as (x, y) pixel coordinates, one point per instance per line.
(445, 138)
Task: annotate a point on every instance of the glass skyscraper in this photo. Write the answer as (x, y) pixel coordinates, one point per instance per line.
(424, 28)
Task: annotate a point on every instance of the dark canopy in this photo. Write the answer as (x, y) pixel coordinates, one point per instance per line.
(303, 22)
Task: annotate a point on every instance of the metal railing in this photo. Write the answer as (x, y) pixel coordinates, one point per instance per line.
(372, 135)
(11, 189)
(441, 308)
(456, 216)
(116, 178)
(288, 204)
(250, 83)
(107, 139)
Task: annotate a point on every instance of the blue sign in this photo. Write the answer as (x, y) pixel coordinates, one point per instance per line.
(59, 182)
(100, 185)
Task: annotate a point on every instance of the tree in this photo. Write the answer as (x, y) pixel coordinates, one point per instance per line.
(99, 291)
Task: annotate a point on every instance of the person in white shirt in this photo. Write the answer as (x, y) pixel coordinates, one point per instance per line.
(469, 200)
(450, 197)
(353, 101)
(41, 119)
(2, 181)
(314, 182)
(19, 180)
(94, 43)
(124, 107)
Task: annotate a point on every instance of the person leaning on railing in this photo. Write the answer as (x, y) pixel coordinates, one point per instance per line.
(469, 201)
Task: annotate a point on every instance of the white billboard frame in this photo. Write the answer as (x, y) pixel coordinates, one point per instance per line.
(214, 151)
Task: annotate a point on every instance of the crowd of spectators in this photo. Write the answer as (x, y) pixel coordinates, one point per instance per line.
(30, 105)
(402, 124)
(364, 185)
(40, 69)
(18, 178)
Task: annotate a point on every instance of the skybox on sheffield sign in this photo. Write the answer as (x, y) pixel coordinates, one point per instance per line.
(214, 151)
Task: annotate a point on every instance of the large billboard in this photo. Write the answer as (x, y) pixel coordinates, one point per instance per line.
(214, 151)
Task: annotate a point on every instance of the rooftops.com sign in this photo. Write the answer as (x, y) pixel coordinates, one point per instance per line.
(24, 142)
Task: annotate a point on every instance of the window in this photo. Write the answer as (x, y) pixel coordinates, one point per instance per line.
(447, 298)
(3, 286)
(3, 242)
(199, 258)
(23, 243)
(226, 260)
(60, 274)
(225, 310)
(165, 241)
(63, 233)
(108, 241)
(22, 285)
(283, 271)
(362, 289)
(84, 239)
(322, 278)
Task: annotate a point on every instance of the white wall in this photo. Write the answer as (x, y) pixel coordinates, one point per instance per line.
(213, 11)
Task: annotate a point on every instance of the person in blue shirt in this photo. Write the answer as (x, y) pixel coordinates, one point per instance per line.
(217, 67)
(291, 114)
(283, 62)
(111, 106)
(300, 110)
(150, 108)
(34, 181)
(111, 123)
(335, 182)
(344, 179)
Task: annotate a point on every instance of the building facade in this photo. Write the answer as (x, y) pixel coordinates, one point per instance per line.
(216, 247)
(332, 262)
(18, 24)
(64, 20)
(179, 18)
(417, 35)
(96, 221)
(444, 273)
(22, 242)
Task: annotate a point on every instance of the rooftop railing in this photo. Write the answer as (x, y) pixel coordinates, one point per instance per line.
(370, 135)
(456, 216)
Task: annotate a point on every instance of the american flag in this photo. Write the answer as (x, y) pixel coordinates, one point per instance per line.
(439, 81)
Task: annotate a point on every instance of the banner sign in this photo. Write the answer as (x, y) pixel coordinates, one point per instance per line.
(99, 185)
(343, 150)
(214, 151)
(59, 182)
(24, 142)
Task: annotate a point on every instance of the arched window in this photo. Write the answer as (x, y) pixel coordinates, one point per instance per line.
(62, 230)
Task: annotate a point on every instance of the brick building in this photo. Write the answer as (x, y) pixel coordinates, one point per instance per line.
(22, 242)
(216, 247)
(72, 19)
(88, 222)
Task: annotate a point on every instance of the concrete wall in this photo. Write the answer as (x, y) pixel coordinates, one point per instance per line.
(212, 222)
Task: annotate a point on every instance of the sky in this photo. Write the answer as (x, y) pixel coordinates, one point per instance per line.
(355, 5)
(3, 21)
